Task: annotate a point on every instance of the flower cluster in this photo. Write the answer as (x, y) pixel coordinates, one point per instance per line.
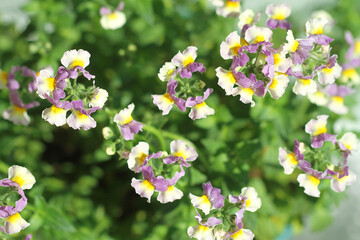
(223, 219)
(65, 94)
(112, 19)
(155, 172)
(19, 179)
(302, 157)
(179, 71)
(258, 67)
(17, 113)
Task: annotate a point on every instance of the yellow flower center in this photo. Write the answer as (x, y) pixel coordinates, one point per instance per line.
(292, 159)
(168, 98)
(327, 70)
(231, 77)
(188, 60)
(180, 154)
(249, 20)
(51, 83)
(148, 185)
(259, 38)
(202, 228)
(171, 188)
(338, 99)
(18, 179)
(112, 16)
(235, 48)
(320, 130)
(305, 82)
(19, 110)
(13, 218)
(318, 30)
(77, 62)
(314, 180)
(231, 4)
(357, 47)
(248, 91)
(279, 14)
(170, 72)
(56, 110)
(200, 105)
(81, 116)
(277, 59)
(294, 46)
(237, 235)
(126, 121)
(274, 84)
(3, 76)
(142, 158)
(247, 203)
(205, 200)
(350, 73)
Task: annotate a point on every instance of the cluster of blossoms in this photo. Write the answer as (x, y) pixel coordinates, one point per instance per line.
(258, 67)
(17, 113)
(179, 71)
(18, 180)
(339, 175)
(112, 19)
(155, 173)
(223, 219)
(64, 92)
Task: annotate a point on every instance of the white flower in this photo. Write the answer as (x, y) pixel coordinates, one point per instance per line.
(317, 127)
(336, 104)
(304, 87)
(278, 85)
(15, 223)
(292, 44)
(45, 83)
(246, 17)
(73, 58)
(253, 202)
(99, 98)
(350, 141)
(17, 115)
(245, 95)
(310, 183)
(318, 98)
(185, 58)
(170, 195)
(226, 80)
(124, 116)
(113, 20)
(256, 34)
(287, 160)
(202, 203)
(54, 115)
(339, 184)
(328, 75)
(201, 110)
(163, 102)
(138, 155)
(166, 71)
(22, 176)
(230, 46)
(201, 232)
(242, 234)
(315, 26)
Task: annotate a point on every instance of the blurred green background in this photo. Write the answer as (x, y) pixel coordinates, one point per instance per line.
(82, 193)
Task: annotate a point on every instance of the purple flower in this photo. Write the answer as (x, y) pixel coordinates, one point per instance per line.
(315, 29)
(298, 49)
(277, 15)
(179, 102)
(199, 109)
(182, 153)
(145, 188)
(27, 72)
(126, 124)
(212, 199)
(186, 64)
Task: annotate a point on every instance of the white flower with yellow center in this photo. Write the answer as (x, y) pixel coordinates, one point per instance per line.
(245, 95)
(113, 20)
(45, 83)
(99, 98)
(339, 184)
(336, 104)
(21, 176)
(328, 75)
(163, 102)
(226, 81)
(201, 110)
(229, 8)
(246, 17)
(166, 71)
(73, 58)
(278, 85)
(242, 234)
(15, 223)
(253, 202)
(287, 160)
(3, 79)
(170, 195)
(319, 98)
(124, 116)
(315, 26)
(202, 203)
(317, 127)
(349, 141)
(185, 58)
(138, 155)
(256, 34)
(230, 47)
(55, 115)
(17, 115)
(78, 120)
(351, 76)
(310, 183)
(304, 87)
(201, 232)
(143, 187)
(292, 44)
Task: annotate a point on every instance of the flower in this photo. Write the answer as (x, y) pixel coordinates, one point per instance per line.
(99, 98)
(336, 100)
(317, 129)
(349, 74)
(328, 74)
(145, 188)
(226, 81)
(242, 234)
(163, 102)
(247, 18)
(80, 118)
(229, 8)
(230, 47)
(166, 72)
(287, 160)
(319, 98)
(253, 202)
(137, 156)
(254, 35)
(199, 109)
(298, 49)
(278, 85)
(172, 193)
(186, 62)
(310, 183)
(204, 231)
(179, 102)
(56, 114)
(248, 87)
(212, 199)
(339, 181)
(354, 49)
(21, 176)
(74, 58)
(181, 152)
(46, 83)
(112, 19)
(126, 124)
(304, 87)
(315, 30)
(348, 142)
(14, 223)
(277, 15)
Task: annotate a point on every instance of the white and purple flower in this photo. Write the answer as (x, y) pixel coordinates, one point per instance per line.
(181, 152)
(212, 199)
(277, 15)
(186, 64)
(112, 19)
(199, 109)
(126, 124)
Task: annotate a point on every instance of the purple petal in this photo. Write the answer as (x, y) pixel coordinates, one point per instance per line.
(317, 141)
(104, 11)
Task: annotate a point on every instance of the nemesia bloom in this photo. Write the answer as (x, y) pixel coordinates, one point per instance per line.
(112, 19)
(254, 35)
(328, 74)
(137, 156)
(287, 160)
(336, 100)
(45, 83)
(298, 49)
(21, 176)
(179, 102)
(99, 98)
(14, 223)
(278, 85)
(205, 230)
(163, 102)
(348, 142)
(166, 72)
(315, 30)
(126, 124)
(80, 118)
(338, 183)
(172, 193)
(354, 49)
(310, 183)
(319, 97)
(229, 8)
(146, 188)
(248, 87)
(253, 202)
(199, 109)
(212, 199)
(182, 153)
(304, 87)
(277, 15)
(74, 58)
(242, 234)
(247, 18)
(317, 129)
(350, 75)
(56, 114)
(186, 62)
(230, 47)
(226, 81)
